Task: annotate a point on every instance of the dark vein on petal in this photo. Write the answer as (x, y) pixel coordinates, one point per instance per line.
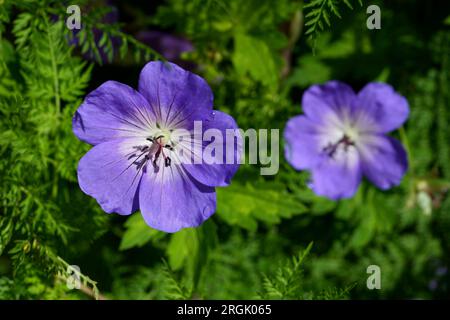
(143, 121)
(134, 178)
(125, 120)
(149, 122)
(178, 113)
(171, 104)
(184, 119)
(157, 95)
(128, 167)
(146, 121)
(118, 129)
(117, 161)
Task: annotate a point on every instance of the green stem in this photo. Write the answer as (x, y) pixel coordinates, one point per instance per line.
(54, 70)
(86, 280)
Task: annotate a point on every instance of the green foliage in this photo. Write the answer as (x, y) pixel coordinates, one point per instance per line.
(319, 13)
(189, 249)
(42, 85)
(244, 205)
(253, 56)
(256, 55)
(138, 233)
(286, 283)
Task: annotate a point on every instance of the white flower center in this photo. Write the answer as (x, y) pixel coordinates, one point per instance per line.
(340, 138)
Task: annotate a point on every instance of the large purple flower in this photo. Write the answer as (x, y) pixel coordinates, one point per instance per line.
(136, 161)
(342, 137)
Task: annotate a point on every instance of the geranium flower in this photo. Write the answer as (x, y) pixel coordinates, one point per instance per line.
(137, 160)
(342, 137)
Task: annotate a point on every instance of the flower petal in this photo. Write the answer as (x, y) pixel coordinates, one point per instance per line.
(229, 152)
(177, 96)
(384, 160)
(105, 174)
(381, 108)
(338, 177)
(302, 149)
(333, 97)
(172, 200)
(113, 110)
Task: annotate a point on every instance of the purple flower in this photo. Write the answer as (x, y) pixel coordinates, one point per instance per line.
(342, 137)
(170, 46)
(135, 162)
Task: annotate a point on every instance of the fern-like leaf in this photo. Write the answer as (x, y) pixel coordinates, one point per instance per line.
(319, 12)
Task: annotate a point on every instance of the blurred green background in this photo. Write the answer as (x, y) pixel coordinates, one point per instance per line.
(258, 56)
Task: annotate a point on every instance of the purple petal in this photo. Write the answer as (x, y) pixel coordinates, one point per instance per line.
(332, 97)
(218, 174)
(384, 161)
(302, 149)
(105, 174)
(337, 178)
(178, 96)
(383, 108)
(172, 200)
(113, 110)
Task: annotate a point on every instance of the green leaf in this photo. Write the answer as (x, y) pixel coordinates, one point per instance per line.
(253, 56)
(365, 231)
(189, 249)
(384, 75)
(244, 205)
(320, 11)
(311, 70)
(182, 245)
(138, 233)
(447, 21)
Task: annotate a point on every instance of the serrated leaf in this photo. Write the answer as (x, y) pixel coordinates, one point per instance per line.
(245, 205)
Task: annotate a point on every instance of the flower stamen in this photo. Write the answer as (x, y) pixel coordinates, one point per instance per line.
(152, 152)
(345, 141)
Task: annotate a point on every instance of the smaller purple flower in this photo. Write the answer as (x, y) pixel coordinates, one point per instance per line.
(168, 45)
(142, 140)
(342, 137)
